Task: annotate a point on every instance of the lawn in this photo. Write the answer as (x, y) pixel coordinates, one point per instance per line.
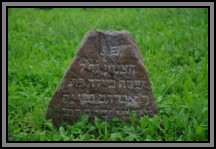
(174, 47)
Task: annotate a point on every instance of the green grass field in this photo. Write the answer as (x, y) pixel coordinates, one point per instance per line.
(174, 47)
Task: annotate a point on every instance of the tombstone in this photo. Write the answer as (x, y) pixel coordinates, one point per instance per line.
(106, 78)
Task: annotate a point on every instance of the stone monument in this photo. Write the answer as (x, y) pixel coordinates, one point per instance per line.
(106, 78)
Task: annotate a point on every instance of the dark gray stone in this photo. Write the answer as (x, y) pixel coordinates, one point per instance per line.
(106, 78)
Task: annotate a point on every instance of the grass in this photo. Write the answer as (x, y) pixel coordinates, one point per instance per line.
(174, 46)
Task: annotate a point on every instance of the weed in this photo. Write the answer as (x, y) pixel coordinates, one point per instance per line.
(174, 47)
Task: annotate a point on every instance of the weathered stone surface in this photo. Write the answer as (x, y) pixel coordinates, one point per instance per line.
(106, 78)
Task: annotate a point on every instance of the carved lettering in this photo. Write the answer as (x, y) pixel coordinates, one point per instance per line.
(121, 84)
(123, 99)
(117, 97)
(86, 98)
(132, 101)
(94, 68)
(65, 98)
(115, 50)
(125, 70)
(111, 83)
(110, 98)
(98, 82)
(130, 84)
(76, 82)
(131, 69)
(139, 84)
(67, 112)
(83, 64)
(102, 98)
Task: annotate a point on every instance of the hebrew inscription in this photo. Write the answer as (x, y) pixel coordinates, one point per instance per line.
(106, 79)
